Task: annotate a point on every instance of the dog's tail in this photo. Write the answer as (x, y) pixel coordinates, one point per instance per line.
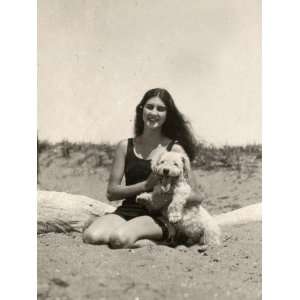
(244, 215)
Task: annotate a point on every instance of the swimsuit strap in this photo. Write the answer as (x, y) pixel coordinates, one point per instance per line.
(170, 145)
(130, 144)
(129, 151)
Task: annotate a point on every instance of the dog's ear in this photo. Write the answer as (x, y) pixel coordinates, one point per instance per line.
(154, 161)
(186, 167)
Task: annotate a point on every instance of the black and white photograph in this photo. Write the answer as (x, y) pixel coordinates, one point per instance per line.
(149, 149)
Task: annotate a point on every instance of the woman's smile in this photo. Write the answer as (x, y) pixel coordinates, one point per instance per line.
(153, 119)
(154, 113)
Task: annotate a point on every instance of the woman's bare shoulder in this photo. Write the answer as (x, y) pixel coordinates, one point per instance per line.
(122, 145)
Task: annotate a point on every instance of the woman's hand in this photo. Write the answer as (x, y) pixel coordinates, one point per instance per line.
(151, 181)
(194, 198)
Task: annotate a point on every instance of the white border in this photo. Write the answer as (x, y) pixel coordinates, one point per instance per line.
(18, 149)
(281, 150)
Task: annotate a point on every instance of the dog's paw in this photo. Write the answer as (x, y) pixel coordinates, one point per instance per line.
(174, 217)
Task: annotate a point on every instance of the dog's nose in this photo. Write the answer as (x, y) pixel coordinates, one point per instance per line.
(165, 171)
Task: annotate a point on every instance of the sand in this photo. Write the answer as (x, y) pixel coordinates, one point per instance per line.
(70, 269)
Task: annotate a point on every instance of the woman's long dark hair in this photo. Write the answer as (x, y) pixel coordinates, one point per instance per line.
(176, 127)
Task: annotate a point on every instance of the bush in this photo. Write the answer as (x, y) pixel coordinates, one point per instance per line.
(208, 157)
(43, 146)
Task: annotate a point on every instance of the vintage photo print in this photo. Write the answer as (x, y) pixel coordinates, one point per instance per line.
(149, 149)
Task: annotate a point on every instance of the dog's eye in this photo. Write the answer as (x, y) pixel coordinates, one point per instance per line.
(161, 162)
(176, 164)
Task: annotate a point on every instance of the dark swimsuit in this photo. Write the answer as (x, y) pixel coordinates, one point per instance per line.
(138, 170)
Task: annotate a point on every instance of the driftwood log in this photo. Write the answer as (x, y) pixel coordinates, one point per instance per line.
(244, 215)
(63, 212)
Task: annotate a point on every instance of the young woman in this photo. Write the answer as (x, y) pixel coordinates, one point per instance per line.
(158, 126)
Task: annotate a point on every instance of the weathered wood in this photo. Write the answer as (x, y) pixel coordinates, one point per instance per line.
(63, 212)
(244, 215)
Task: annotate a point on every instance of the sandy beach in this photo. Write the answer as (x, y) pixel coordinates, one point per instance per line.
(70, 269)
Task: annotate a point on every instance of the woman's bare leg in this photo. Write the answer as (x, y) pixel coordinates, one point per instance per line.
(128, 233)
(99, 231)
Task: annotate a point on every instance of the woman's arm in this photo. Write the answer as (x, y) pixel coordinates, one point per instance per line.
(117, 191)
(197, 195)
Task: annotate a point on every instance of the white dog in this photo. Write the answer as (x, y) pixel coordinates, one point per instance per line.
(170, 196)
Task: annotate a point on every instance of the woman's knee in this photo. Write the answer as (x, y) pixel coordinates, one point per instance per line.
(121, 239)
(91, 236)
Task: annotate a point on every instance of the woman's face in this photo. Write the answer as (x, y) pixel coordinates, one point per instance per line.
(154, 113)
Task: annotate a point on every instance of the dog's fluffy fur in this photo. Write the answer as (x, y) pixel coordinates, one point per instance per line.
(170, 196)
